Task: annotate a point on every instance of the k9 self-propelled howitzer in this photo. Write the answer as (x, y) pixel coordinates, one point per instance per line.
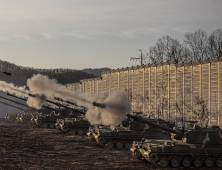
(200, 145)
(66, 112)
(76, 124)
(45, 110)
(128, 131)
(50, 119)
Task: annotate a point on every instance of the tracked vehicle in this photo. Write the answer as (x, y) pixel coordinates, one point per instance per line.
(200, 146)
(128, 131)
(77, 125)
(50, 120)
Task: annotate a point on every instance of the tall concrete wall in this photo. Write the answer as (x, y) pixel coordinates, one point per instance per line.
(166, 90)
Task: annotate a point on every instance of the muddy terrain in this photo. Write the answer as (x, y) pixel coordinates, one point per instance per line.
(27, 147)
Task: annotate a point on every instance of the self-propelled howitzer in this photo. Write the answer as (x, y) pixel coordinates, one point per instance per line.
(128, 131)
(198, 145)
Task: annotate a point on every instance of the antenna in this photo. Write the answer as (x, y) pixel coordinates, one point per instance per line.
(141, 57)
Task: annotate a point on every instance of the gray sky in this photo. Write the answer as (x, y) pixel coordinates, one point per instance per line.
(81, 34)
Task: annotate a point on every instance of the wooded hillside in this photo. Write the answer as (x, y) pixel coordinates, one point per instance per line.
(20, 74)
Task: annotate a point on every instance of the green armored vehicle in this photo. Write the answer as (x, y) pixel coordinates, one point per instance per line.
(128, 131)
(77, 125)
(198, 146)
(51, 119)
(42, 112)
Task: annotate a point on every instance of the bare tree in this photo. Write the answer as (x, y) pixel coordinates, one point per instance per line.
(215, 44)
(168, 49)
(197, 42)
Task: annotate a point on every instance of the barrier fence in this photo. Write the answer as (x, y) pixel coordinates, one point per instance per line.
(186, 91)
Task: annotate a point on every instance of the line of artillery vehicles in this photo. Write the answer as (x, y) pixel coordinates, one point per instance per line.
(154, 141)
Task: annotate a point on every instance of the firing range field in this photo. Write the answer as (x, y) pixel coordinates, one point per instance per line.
(27, 147)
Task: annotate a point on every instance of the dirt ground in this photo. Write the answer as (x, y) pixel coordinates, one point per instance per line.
(28, 147)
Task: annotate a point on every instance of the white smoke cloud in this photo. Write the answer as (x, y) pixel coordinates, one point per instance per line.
(40, 84)
(117, 105)
(9, 87)
(93, 115)
(36, 102)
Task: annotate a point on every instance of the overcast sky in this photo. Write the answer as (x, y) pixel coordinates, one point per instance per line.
(81, 34)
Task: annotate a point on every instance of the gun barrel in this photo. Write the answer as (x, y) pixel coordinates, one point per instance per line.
(49, 108)
(7, 73)
(67, 107)
(59, 99)
(16, 102)
(12, 106)
(101, 105)
(32, 95)
(16, 97)
(139, 119)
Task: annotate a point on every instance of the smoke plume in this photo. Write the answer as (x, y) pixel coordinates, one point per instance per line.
(40, 84)
(36, 102)
(9, 87)
(117, 107)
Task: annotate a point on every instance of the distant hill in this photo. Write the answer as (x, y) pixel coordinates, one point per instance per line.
(20, 74)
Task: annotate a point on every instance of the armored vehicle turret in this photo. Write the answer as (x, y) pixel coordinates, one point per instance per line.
(200, 145)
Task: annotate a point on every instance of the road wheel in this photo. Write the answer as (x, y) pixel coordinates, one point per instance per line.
(128, 145)
(164, 162)
(52, 125)
(209, 162)
(65, 128)
(186, 162)
(39, 122)
(219, 162)
(153, 158)
(72, 131)
(175, 162)
(137, 154)
(45, 125)
(119, 144)
(101, 140)
(198, 162)
(110, 144)
(80, 131)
